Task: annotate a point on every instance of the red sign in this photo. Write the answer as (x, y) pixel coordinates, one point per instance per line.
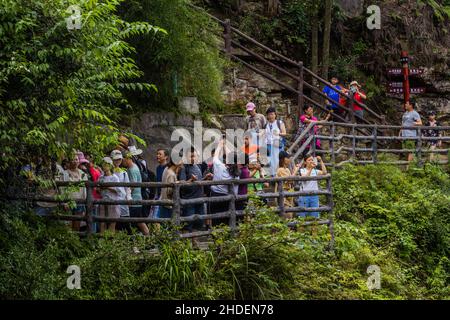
(398, 71)
(411, 90)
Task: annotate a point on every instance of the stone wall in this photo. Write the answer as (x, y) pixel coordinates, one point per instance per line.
(244, 85)
(156, 129)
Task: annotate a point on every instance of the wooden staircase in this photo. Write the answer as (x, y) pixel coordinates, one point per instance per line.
(257, 57)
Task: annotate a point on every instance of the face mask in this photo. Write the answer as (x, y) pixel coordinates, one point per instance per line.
(353, 89)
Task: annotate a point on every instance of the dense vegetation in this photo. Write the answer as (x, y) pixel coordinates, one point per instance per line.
(63, 87)
(185, 62)
(298, 29)
(396, 220)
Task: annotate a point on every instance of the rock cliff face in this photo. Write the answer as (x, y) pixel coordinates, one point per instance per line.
(418, 28)
(157, 129)
(244, 85)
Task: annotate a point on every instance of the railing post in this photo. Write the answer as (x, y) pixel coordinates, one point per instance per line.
(419, 148)
(353, 143)
(300, 98)
(227, 36)
(374, 145)
(330, 213)
(232, 210)
(89, 209)
(176, 206)
(281, 198)
(333, 156)
(313, 146)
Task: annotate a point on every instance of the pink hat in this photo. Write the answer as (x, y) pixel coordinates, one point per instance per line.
(81, 157)
(250, 106)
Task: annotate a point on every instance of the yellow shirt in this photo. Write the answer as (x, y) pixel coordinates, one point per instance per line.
(287, 185)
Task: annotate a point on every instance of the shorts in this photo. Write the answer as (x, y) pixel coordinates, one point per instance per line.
(409, 144)
(43, 211)
(136, 212)
(359, 114)
(110, 211)
(165, 212)
(79, 210)
(124, 211)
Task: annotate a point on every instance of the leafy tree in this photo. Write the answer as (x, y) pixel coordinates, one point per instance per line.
(62, 87)
(187, 63)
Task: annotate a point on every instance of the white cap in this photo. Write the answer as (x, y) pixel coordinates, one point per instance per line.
(107, 160)
(116, 155)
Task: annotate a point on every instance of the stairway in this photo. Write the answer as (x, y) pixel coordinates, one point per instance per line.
(292, 76)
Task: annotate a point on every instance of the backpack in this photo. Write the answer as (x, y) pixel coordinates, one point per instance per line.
(147, 176)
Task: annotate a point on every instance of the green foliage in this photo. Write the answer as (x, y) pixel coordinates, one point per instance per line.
(383, 216)
(290, 30)
(186, 62)
(405, 213)
(59, 88)
(441, 11)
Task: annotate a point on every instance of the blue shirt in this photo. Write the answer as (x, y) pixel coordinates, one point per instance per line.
(408, 119)
(332, 95)
(135, 176)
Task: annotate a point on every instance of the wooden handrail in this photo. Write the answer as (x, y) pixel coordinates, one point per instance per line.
(331, 86)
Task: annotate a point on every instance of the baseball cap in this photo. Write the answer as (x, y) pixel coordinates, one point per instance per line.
(107, 160)
(116, 155)
(250, 106)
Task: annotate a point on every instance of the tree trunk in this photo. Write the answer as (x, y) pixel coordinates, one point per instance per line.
(238, 5)
(315, 45)
(326, 39)
(273, 7)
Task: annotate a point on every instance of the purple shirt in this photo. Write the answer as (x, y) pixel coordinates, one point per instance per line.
(245, 174)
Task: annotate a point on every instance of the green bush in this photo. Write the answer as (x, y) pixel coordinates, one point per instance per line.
(385, 217)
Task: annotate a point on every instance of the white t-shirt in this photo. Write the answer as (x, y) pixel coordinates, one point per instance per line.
(124, 192)
(106, 193)
(221, 173)
(309, 185)
(273, 132)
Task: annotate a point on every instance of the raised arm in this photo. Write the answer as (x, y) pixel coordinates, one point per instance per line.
(323, 168)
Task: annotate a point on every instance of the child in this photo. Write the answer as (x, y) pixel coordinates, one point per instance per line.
(109, 193)
(256, 172)
(432, 144)
(283, 171)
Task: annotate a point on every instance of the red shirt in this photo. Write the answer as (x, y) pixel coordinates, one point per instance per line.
(358, 98)
(95, 174)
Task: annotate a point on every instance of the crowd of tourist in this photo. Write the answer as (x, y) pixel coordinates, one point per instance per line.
(126, 164)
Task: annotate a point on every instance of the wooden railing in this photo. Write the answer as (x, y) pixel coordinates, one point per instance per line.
(349, 142)
(235, 39)
(177, 203)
